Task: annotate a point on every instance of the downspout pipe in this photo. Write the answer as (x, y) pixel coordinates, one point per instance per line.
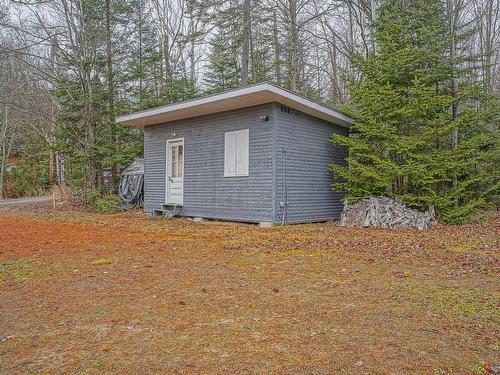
(284, 192)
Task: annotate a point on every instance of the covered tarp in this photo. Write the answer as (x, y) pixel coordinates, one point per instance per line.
(131, 189)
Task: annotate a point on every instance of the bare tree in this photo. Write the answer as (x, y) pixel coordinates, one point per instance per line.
(487, 14)
(24, 107)
(170, 18)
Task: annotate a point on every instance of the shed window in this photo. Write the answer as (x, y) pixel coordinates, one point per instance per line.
(236, 149)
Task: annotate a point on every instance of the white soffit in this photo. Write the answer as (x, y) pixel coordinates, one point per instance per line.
(238, 98)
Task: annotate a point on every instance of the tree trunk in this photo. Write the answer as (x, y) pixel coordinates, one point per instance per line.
(277, 51)
(6, 141)
(3, 160)
(293, 70)
(52, 168)
(454, 85)
(247, 29)
(334, 82)
(373, 11)
(2, 172)
(140, 55)
(53, 174)
(89, 126)
(168, 67)
(111, 93)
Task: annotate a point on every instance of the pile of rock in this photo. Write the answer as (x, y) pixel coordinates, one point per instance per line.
(385, 212)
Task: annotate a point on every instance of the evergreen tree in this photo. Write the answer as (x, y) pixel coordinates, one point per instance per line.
(86, 133)
(224, 69)
(229, 48)
(261, 44)
(401, 145)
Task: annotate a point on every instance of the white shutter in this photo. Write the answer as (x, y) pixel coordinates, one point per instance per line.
(236, 150)
(230, 154)
(242, 152)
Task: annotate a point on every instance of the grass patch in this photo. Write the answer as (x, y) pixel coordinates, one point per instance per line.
(463, 303)
(102, 261)
(477, 369)
(463, 248)
(96, 363)
(15, 271)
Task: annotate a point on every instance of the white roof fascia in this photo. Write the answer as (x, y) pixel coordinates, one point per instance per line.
(271, 93)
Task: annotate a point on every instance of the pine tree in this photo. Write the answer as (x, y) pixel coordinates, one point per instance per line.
(401, 145)
(241, 49)
(224, 72)
(86, 133)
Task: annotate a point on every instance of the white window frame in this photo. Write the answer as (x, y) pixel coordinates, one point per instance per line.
(246, 154)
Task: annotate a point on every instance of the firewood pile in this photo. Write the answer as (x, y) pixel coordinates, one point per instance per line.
(385, 212)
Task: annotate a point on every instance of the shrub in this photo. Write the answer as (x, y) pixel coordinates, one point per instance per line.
(109, 205)
(78, 197)
(90, 198)
(26, 179)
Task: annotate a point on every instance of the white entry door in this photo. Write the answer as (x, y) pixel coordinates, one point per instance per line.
(175, 171)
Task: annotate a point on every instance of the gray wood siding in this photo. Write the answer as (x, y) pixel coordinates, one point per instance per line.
(308, 152)
(207, 193)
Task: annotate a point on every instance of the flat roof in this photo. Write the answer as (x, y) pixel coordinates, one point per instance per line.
(242, 97)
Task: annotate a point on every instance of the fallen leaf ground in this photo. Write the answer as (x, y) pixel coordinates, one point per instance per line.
(88, 293)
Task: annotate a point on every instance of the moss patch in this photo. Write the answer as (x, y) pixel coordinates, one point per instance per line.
(102, 261)
(15, 271)
(456, 302)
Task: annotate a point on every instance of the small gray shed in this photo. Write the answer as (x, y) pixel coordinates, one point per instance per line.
(253, 154)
